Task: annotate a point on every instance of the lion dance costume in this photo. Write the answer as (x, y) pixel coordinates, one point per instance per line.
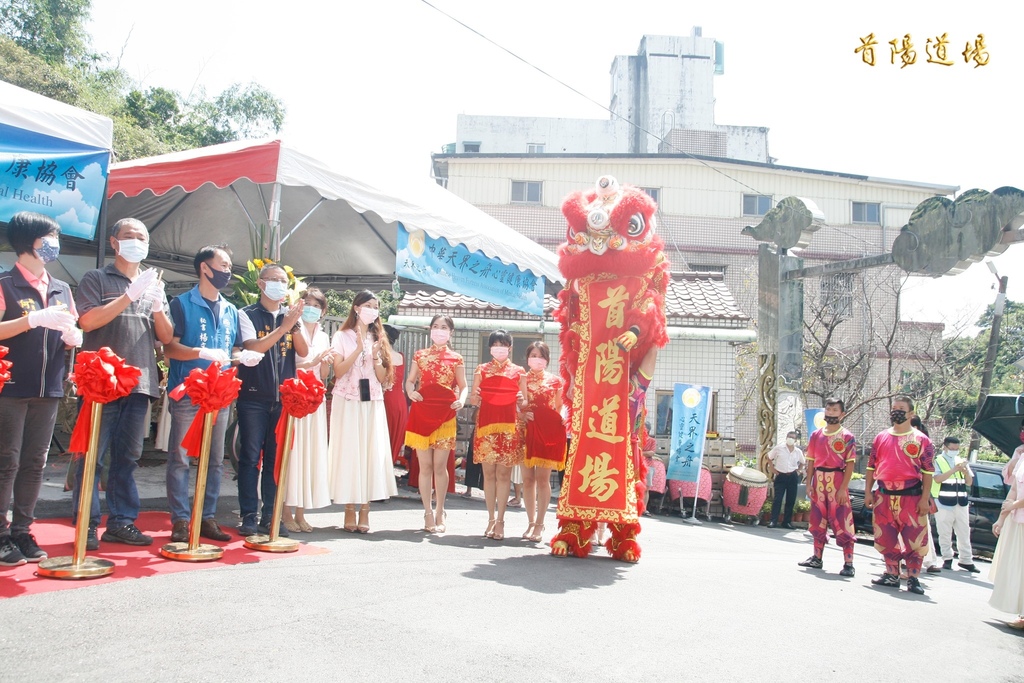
(612, 313)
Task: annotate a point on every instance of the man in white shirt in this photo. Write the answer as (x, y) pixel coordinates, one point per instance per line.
(786, 463)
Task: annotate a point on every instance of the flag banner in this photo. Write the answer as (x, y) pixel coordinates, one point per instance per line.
(691, 407)
(815, 419)
(435, 261)
(57, 178)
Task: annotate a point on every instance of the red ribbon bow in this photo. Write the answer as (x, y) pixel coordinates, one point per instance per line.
(5, 368)
(211, 389)
(300, 396)
(100, 377)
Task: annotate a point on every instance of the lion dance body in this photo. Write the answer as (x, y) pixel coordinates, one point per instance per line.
(612, 313)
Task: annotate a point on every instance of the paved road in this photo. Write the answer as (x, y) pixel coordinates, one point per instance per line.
(709, 602)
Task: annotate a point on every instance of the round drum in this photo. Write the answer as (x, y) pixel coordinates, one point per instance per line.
(686, 489)
(744, 491)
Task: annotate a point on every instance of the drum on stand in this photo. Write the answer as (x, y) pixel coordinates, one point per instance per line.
(744, 491)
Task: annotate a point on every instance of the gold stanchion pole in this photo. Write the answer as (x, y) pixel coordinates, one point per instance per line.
(79, 566)
(194, 551)
(272, 543)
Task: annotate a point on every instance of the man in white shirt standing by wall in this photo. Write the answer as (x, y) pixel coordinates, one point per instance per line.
(786, 462)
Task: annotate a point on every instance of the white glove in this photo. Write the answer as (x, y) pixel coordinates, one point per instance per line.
(52, 318)
(156, 296)
(250, 359)
(72, 336)
(143, 282)
(218, 355)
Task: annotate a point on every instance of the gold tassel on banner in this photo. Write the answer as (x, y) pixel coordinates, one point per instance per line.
(79, 566)
(194, 551)
(272, 543)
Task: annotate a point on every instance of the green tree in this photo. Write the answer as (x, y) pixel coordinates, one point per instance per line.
(53, 30)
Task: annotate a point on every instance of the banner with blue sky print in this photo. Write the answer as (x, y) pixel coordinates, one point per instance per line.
(691, 407)
(435, 261)
(57, 178)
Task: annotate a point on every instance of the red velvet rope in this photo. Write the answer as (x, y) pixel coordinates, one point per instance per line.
(100, 377)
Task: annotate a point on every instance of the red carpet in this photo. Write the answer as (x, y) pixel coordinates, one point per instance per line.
(56, 537)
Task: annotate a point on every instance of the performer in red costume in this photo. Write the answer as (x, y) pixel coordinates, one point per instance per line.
(902, 462)
(830, 460)
(612, 313)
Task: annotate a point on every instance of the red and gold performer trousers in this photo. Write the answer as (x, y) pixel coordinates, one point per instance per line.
(895, 517)
(827, 513)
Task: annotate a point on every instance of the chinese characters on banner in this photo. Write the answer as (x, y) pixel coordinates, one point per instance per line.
(936, 51)
(58, 178)
(435, 261)
(691, 406)
(815, 419)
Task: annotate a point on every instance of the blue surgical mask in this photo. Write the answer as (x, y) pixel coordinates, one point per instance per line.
(49, 251)
(310, 314)
(275, 290)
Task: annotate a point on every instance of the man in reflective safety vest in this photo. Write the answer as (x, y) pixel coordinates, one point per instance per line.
(950, 488)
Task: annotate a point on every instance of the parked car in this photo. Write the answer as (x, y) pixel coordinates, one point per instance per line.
(986, 497)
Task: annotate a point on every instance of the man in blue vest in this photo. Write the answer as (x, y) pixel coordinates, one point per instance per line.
(122, 307)
(950, 488)
(205, 331)
(269, 328)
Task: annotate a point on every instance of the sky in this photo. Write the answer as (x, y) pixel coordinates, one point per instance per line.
(376, 87)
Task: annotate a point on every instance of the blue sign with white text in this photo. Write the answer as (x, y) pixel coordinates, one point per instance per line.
(57, 178)
(691, 406)
(436, 261)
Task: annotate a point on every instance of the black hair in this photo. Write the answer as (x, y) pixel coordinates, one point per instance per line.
(833, 401)
(916, 423)
(545, 352)
(499, 337)
(393, 333)
(25, 227)
(950, 440)
(207, 253)
(447, 321)
(903, 398)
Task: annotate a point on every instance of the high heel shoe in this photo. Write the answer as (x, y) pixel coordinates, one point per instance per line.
(526, 534)
(350, 519)
(364, 519)
(538, 533)
(428, 522)
(441, 527)
(499, 530)
(490, 529)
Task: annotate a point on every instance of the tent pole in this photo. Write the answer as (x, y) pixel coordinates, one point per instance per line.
(275, 221)
(101, 226)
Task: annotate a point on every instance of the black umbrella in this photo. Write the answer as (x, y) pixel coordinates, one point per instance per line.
(999, 421)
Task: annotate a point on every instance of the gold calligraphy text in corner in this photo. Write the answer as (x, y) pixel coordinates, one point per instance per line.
(935, 48)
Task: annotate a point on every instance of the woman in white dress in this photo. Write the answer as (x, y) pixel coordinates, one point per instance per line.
(359, 450)
(306, 484)
(1007, 572)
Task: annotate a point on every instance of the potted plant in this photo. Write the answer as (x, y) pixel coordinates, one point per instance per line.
(801, 510)
(766, 511)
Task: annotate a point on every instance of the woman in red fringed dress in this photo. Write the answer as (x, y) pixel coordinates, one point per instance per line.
(545, 437)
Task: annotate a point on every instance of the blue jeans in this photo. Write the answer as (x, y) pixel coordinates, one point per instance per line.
(178, 461)
(122, 429)
(256, 422)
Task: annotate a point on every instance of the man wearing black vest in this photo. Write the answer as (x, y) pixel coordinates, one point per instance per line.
(266, 327)
(950, 487)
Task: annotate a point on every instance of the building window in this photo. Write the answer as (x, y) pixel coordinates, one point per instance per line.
(867, 212)
(756, 204)
(705, 268)
(837, 294)
(526, 191)
(535, 148)
(653, 192)
(471, 147)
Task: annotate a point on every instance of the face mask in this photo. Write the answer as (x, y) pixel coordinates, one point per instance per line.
(439, 336)
(310, 314)
(220, 278)
(367, 315)
(950, 455)
(1022, 435)
(50, 250)
(897, 417)
(275, 290)
(790, 441)
(499, 352)
(537, 363)
(132, 251)
(832, 420)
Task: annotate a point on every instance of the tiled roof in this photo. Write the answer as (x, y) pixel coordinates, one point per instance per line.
(693, 299)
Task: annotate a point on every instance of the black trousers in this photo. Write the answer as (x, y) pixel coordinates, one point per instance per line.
(785, 485)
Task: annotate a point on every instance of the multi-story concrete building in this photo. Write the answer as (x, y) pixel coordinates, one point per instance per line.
(710, 182)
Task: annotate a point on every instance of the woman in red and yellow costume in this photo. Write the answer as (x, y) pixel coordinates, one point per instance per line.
(436, 385)
(545, 437)
(499, 390)
(612, 312)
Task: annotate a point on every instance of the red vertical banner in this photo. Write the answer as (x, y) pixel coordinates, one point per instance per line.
(599, 465)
